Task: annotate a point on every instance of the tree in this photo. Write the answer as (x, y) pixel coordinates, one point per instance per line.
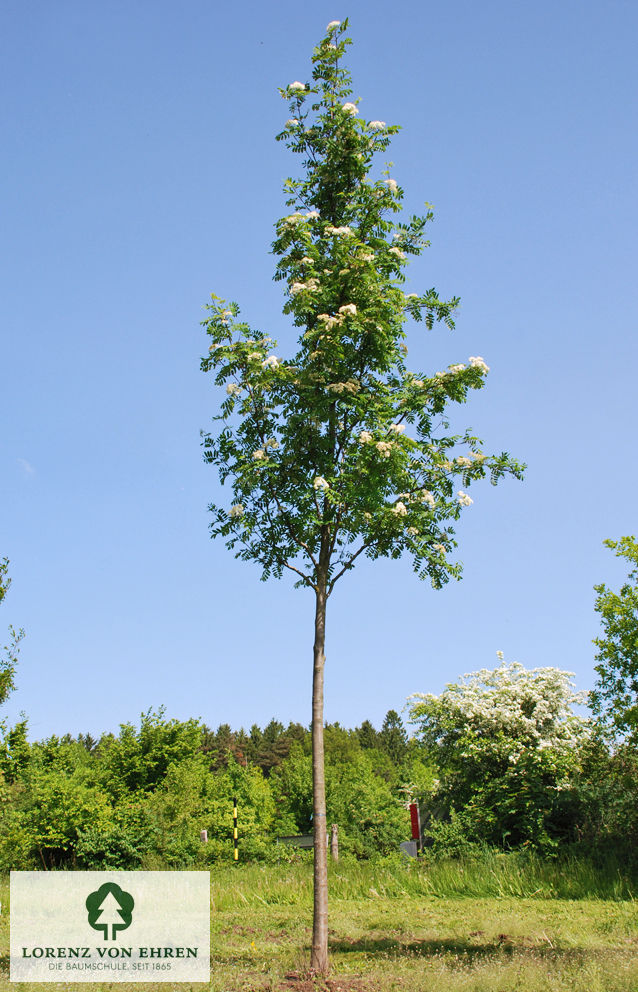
(367, 735)
(506, 743)
(315, 447)
(615, 695)
(392, 738)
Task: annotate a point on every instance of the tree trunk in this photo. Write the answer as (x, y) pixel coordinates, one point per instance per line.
(319, 956)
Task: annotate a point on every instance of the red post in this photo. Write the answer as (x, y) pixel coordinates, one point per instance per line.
(415, 821)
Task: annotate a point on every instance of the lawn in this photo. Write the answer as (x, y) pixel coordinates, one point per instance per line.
(493, 927)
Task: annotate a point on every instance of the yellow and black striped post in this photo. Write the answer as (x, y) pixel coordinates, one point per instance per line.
(235, 839)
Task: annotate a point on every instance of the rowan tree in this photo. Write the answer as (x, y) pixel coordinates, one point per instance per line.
(340, 450)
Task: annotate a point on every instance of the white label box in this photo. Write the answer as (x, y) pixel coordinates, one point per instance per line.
(110, 926)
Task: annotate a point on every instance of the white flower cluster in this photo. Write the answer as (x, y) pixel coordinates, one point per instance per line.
(531, 706)
(332, 26)
(400, 509)
(384, 448)
(397, 251)
(350, 108)
(320, 483)
(350, 387)
(456, 368)
(297, 86)
(463, 462)
(366, 256)
(343, 231)
(364, 437)
(272, 362)
(259, 454)
(348, 310)
(464, 499)
(428, 498)
(233, 389)
(312, 215)
(310, 285)
(255, 356)
(236, 511)
(412, 531)
(396, 428)
(377, 125)
(292, 219)
(329, 321)
(392, 185)
(293, 122)
(477, 363)
(440, 548)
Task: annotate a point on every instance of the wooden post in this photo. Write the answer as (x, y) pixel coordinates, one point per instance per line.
(334, 842)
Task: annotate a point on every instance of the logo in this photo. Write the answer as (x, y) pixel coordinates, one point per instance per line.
(109, 926)
(110, 908)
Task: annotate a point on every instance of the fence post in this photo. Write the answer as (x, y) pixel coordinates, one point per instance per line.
(334, 842)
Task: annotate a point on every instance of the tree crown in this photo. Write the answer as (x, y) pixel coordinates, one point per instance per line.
(341, 449)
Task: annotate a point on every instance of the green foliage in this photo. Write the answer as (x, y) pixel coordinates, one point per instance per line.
(371, 817)
(9, 658)
(315, 446)
(60, 807)
(292, 790)
(192, 799)
(393, 738)
(615, 695)
(56, 810)
(139, 759)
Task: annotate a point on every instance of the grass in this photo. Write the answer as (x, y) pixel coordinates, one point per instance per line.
(503, 923)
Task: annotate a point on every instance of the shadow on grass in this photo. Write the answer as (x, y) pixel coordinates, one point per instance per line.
(503, 946)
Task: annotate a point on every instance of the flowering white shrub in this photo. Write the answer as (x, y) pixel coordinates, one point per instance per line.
(507, 744)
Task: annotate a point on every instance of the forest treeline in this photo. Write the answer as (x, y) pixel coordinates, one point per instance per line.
(499, 761)
(139, 798)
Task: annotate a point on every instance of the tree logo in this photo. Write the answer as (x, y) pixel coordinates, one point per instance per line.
(110, 907)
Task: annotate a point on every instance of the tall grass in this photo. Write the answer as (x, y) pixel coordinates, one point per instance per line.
(491, 875)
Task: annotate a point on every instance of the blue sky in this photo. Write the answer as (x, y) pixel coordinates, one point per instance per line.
(140, 174)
